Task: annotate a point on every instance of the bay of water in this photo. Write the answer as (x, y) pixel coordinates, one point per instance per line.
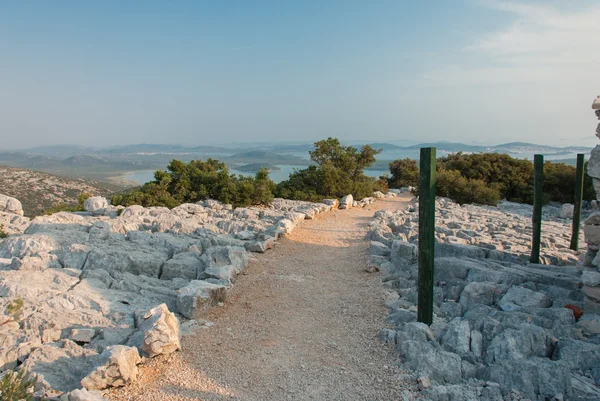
(142, 177)
(277, 176)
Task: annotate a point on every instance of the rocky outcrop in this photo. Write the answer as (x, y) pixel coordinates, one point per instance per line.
(95, 286)
(158, 332)
(116, 366)
(592, 223)
(10, 205)
(502, 329)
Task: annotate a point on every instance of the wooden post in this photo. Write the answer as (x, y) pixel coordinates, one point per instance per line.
(538, 176)
(577, 203)
(426, 235)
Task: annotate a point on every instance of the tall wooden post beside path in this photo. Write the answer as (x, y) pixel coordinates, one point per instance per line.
(538, 176)
(426, 235)
(577, 203)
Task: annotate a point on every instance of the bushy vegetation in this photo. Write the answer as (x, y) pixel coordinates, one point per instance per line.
(199, 180)
(17, 386)
(486, 178)
(338, 171)
(3, 234)
(405, 173)
(69, 207)
(452, 184)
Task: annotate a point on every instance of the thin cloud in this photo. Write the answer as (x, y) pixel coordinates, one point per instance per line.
(543, 43)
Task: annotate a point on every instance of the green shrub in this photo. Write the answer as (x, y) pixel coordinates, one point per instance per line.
(199, 180)
(485, 177)
(405, 173)
(15, 308)
(17, 386)
(451, 184)
(3, 234)
(339, 171)
(514, 177)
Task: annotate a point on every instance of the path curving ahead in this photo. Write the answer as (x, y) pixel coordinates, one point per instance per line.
(301, 324)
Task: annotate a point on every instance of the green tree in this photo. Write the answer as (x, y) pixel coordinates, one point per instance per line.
(199, 180)
(339, 171)
(405, 173)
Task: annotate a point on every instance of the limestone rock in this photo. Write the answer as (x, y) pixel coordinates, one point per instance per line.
(159, 332)
(10, 205)
(457, 337)
(379, 249)
(117, 366)
(535, 378)
(566, 211)
(60, 366)
(347, 202)
(590, 278)
(404, 253)
(85, 395)
(195, 298)
(83, 335)
(518, 297)
(96, 204)
(260, 246)
(184, 265)
(479, 293)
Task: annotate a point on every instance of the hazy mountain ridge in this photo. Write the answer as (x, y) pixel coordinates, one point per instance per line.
(110, 163)
(70, 150)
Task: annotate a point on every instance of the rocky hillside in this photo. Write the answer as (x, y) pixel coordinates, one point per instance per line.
(38, 191)
(73, 286)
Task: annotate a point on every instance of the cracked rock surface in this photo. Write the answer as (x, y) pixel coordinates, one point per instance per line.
(103, 278)
(503, 329)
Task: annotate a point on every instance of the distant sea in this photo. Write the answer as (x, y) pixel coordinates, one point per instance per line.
(277, 176)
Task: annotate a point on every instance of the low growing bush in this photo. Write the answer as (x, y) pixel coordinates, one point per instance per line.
(17, 386)
(199, 180)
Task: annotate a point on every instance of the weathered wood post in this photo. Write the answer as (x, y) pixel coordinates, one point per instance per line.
(577, 203)
(426, 235)
(538, 176)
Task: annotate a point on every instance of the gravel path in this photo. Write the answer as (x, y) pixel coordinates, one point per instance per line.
(301, 324)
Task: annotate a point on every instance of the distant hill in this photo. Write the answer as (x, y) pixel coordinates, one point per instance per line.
(85, 161)
(260, 156)
(383, 146)
(255, 167)
(38, 191)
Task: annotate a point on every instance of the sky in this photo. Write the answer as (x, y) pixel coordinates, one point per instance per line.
(107, 73)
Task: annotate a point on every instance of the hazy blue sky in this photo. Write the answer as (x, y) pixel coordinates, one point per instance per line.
(210, 72)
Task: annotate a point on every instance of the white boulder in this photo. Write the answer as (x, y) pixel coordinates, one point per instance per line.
(117, 366)
(10, 205)
(96, 204)
(566, 211)
(160, 332)
(347, 202)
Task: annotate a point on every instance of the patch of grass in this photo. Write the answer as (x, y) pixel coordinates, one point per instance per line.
(15, 308)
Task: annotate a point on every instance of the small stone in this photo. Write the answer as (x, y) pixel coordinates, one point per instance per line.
(424, 382)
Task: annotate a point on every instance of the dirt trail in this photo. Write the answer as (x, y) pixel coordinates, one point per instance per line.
(301, 325)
